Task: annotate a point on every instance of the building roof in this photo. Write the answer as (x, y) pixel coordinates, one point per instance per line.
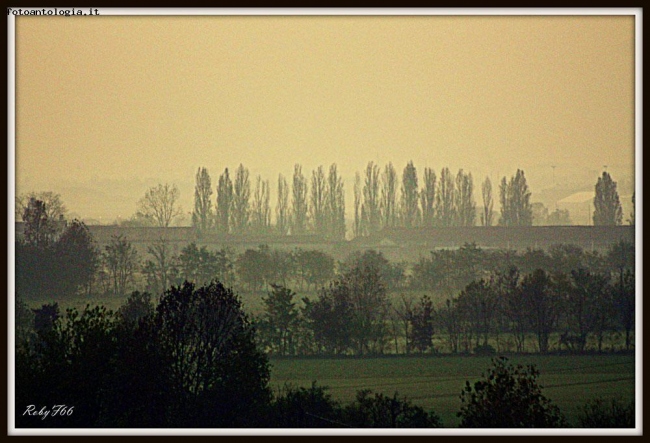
(579, 197)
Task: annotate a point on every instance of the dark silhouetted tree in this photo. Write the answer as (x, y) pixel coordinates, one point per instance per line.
(370, 306)
(450, 321)
(607, 206)
(161, 269)
(588, 307)
(315, 268)
(381, 411)
(330, 318)
(299, 407)
(39, 229)
(77, 259)
(508, 289)
(54, 207)
(508, 397)
(421, 320)
(603, 414)
(200, 265)
(477, 305)
(621, 258)
(283, 267)
(71, 364)
(138, 306)
(121, 261)
(542, 306)
(217, 375)
(392, 274)
(280, 319)
(253, 267)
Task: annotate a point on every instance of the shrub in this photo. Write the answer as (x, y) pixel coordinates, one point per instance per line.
(305, 408)
(484, 350)
(508, 397)
(597, 413)
(380, 411)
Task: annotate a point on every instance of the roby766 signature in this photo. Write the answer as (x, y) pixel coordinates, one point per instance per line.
(44, 412)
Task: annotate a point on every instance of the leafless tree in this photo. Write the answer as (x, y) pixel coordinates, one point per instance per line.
(282, 209)
(299, 202)
(428, 198)
(160, 204)
(261, 213)
(317, 201)
(488, 203)
(54, 207)
(389, 196)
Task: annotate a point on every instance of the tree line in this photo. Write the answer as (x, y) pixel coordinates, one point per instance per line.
(558, 308)
(192, 361)
(380, 201)
(317, 205)
(486, 291)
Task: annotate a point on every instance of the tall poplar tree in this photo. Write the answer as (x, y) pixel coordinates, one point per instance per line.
(370, 207)
(335, 204)
(318, 201)
(224, 202)
(388, 204)
(487, 213)
(428, 198)
(261, 209)
(357, 206)
(282, 208)
(446, 199)
(202, 217)
(410, 200)
(516, 209)
(240, 215)
(607, 206)
(298, 202)
(465, 205)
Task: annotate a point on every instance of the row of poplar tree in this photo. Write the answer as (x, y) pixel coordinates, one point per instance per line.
(317, 205)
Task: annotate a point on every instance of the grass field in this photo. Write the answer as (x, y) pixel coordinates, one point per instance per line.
(435, 383)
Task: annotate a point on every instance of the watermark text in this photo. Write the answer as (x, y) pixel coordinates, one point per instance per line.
(44, 412)
(66, 12)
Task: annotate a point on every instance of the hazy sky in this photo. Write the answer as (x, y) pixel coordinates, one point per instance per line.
(157, 97)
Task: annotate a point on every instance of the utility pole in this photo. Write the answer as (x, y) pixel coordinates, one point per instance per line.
(553, 167)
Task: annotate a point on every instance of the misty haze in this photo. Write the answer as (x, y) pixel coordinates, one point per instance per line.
(325, 221)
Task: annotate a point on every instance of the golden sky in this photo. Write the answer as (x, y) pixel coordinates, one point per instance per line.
(156, 97)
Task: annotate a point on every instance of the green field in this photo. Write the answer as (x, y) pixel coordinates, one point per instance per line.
(435, 383)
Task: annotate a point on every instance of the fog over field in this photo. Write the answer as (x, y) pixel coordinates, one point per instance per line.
(272, 222)
(106, 108)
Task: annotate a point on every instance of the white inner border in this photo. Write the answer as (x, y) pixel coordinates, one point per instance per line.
(11, 158)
